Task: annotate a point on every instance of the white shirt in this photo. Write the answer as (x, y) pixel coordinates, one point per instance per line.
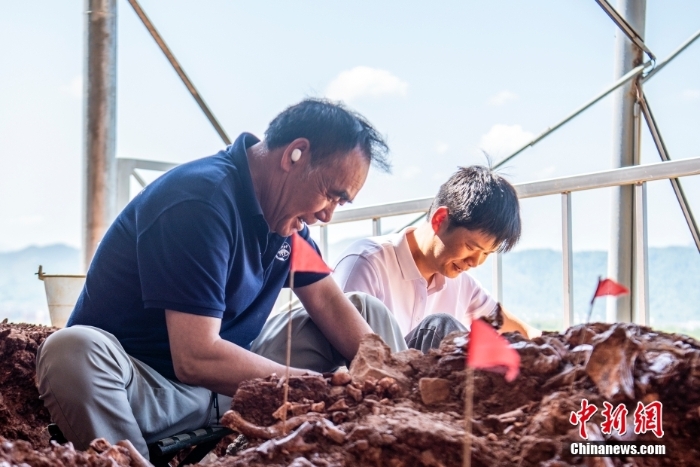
(384, 267)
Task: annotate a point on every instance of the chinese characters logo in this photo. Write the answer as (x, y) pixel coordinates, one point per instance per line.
(646, 418)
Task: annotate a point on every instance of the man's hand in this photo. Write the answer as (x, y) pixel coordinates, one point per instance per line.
(335, 316)
(202, 358)
(513, 323)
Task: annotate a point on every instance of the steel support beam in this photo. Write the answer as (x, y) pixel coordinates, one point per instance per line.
(625, 27)
(497, 277)
(99, 123)
(675, 183)
(567, 260)
(376, 226)
(323, 241)
(626, 132)
(607, 178)
(556, 186)
(180, 71)
(633, 74)
(673, 55)
(641, 257)
(126, 168)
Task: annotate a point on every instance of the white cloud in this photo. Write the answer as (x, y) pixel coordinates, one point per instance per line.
(365, 81)
(441, 148)
(501, 140)
(503, 97)
(691, 94)
(74, 88)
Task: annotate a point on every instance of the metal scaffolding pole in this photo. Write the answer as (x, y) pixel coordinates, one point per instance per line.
(675, 183)
(626, 133)
(99, 126)
(625, 27)
(180, 71)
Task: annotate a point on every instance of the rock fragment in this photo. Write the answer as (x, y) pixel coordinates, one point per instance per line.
(434, 390)
(374, 360)
(611, 363)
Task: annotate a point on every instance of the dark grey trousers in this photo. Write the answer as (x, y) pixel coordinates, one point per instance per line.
(432, 330)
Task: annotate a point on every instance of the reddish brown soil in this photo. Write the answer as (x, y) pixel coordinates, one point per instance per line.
(407, 409)
(100, 454)
(521, 423)
(22, 414)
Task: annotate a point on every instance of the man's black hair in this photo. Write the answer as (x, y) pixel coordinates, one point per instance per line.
(331, 128)
(478, 199)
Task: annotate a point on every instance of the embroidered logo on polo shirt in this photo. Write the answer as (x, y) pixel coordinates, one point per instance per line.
(284, 252)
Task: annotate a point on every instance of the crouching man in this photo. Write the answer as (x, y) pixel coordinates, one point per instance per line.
(186, 276)
(420, 273)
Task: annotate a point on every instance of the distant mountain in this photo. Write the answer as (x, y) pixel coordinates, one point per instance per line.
(532, 284)
(22, 296)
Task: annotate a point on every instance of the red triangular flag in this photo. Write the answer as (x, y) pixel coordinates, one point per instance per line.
(489, 351)
(610, 287)
(305, 258)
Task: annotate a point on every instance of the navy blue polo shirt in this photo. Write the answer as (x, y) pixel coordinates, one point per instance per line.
(194, 241)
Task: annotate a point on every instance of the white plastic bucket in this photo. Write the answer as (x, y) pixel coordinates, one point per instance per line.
(62, 293)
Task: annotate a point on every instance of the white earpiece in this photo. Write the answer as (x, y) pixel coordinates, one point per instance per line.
(296, 155)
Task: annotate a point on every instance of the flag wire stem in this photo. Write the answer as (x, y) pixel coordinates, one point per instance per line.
(285, 397)
(468, 409)
(590, 312)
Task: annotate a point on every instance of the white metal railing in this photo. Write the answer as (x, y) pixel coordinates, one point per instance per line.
(126, 168)
(565, 186)
(637, 175)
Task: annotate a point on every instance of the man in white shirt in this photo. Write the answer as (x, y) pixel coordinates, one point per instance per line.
(419, 273)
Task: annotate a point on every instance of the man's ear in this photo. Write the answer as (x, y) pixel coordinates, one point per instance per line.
(438, 218)
(296, 154)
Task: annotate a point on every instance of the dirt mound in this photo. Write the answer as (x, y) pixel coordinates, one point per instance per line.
(100, 454)
(407, 409)
(22, 414)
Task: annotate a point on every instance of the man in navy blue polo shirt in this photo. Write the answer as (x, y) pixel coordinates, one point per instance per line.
(186, 276)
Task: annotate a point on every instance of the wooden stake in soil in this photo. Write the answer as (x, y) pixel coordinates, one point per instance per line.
(302, 258)
(489, 351)
(289, 357)
(468, 409)
(590, 308)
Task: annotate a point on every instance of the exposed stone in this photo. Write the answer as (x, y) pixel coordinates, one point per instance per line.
(354, 392)
(374, 360)
(340, 404)
(611, 363)
(434, 390)
(341, 378)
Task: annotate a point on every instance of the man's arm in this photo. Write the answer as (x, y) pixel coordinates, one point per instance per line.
(202, 358)
(513, 323)
(335, 316)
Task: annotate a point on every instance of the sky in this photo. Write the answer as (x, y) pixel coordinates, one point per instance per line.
(444, 82)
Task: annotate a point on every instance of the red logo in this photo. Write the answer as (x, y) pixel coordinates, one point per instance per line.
(614, 419)
(646, 418)
(582, 416)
